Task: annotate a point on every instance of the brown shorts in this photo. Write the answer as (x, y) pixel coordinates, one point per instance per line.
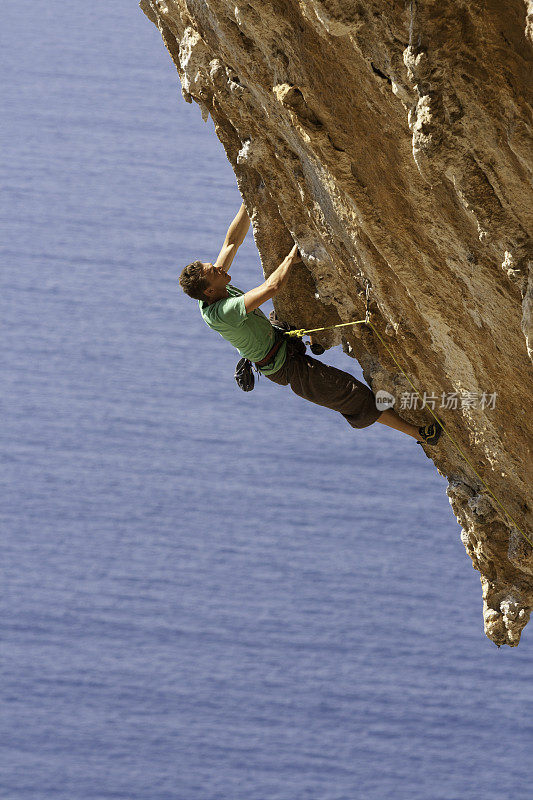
(328, 386)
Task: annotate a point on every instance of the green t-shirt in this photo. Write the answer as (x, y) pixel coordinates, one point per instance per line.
(252, 334)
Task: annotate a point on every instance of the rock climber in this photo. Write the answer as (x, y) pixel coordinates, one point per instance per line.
(236, 316)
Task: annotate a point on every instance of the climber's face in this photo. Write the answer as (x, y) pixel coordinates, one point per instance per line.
(217, 280)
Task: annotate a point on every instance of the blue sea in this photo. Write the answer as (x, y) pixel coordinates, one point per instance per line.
(207, 595)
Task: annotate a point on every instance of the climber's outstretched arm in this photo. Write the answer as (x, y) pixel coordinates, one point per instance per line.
(234, 238)
(256, 297)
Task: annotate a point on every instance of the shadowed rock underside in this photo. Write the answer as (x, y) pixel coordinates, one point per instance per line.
(392, 141)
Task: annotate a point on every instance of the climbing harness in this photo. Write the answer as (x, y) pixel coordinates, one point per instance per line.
(244, 371)
(366, 321)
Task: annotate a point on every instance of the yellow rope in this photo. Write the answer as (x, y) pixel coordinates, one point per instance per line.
(302, 332)
(366, 321)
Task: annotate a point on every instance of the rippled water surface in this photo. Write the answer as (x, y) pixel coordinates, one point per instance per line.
(207, 594)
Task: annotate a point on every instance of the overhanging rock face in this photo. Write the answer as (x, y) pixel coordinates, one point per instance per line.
(392, 142)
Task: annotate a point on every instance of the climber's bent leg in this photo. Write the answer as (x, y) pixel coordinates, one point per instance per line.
(330, 387)
(392, 420)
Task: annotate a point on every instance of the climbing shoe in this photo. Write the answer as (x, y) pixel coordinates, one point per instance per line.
(430, 434)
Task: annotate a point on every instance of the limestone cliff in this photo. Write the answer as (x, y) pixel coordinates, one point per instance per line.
(392, 141)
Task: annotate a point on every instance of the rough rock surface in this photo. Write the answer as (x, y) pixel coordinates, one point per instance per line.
(392, 141)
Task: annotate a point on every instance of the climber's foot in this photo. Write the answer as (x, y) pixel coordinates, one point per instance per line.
(430, 434)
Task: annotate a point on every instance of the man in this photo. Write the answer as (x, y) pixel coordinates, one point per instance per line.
(236, 316)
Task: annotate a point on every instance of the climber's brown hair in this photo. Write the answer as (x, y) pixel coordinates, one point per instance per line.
(192, 280)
